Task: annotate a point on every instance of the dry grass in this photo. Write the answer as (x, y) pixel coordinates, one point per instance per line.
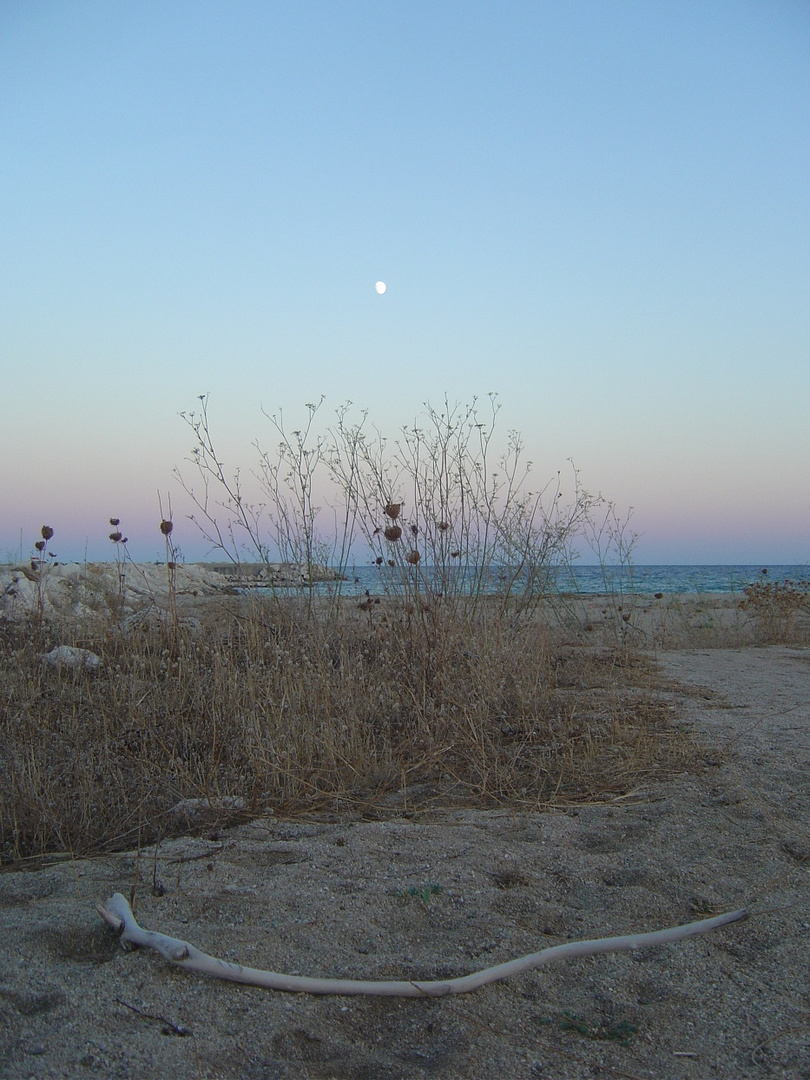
(780, 609)
(760, 615)
(350, 711)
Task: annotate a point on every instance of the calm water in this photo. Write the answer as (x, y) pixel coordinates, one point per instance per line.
(680, 579)
(595, 579)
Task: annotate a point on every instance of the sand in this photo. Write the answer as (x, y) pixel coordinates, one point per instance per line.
(354, 898)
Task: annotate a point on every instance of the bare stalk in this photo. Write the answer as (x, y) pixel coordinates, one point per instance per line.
(243, 519)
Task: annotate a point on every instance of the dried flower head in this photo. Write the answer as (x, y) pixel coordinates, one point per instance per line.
(415, 530)
(413, 557)
(166, 527)
(393, 509)
(47, 532)
(379, 560)
(391, 562)
(442, 526)
(40, 545)
(115, 536)
(392, 533)
(115, 521)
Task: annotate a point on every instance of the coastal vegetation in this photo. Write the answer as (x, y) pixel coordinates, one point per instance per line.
(450, 513)
(465, 681)
(252, 704)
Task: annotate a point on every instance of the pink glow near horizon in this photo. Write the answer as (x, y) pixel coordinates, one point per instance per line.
(82, 528)
(597, 210)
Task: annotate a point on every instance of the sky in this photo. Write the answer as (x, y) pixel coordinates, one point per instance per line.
(597, 209)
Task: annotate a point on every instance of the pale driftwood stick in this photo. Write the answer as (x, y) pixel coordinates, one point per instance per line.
(118, 914)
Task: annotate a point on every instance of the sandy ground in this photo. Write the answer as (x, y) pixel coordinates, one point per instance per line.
(336, 898)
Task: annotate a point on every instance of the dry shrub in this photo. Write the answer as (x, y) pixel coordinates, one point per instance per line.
(777, 607)
(296, 713)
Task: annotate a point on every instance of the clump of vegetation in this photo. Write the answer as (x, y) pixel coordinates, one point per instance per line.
(621, 1032)
(420, 892)
(776, 606)
(450, 686)
(356, 712)
(449, 514)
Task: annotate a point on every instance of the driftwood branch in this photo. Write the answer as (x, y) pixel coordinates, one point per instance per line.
(118, 914)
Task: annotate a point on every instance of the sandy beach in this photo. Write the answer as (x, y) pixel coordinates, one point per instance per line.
(404, 540)
(437, 893)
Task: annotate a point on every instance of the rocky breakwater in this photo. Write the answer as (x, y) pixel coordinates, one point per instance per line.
(91, 591)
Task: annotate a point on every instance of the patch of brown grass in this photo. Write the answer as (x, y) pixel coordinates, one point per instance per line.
(779, 608)
(293, 711)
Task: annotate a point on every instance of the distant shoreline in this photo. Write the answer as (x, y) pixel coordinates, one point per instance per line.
(356, 580)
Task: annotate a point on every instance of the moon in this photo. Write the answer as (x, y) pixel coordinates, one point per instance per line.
(380, 287)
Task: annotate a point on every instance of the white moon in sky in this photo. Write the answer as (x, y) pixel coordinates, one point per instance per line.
(380, 287)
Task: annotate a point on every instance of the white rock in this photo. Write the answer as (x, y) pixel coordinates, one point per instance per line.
(95, 590)
(71, 657)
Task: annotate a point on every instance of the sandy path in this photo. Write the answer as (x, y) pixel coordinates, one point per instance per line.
(331, 898)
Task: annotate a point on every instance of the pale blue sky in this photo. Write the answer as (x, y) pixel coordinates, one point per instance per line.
(596, 208)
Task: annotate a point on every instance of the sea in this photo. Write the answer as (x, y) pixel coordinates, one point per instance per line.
(583, 579)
